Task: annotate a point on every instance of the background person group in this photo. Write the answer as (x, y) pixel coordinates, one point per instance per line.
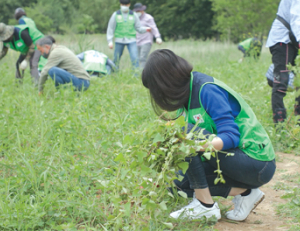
(134, 29)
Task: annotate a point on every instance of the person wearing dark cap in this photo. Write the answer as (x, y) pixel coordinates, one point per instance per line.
(22, 38)
(144, 41)
(21, 17)
(123, 25)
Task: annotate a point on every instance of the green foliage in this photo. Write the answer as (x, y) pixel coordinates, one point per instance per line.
(7, 8)
(74, 161)
(87, 24)
(182, 19)
(240, 19)
(292, 208)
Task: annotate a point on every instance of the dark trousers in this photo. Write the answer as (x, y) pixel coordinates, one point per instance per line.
(282, 54)
(239, 171)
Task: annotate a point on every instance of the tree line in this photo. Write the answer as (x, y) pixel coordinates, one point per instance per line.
(220, 19)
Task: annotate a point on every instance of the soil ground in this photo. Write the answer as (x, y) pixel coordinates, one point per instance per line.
(264, 217)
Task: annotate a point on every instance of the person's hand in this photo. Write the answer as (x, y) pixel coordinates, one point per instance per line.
(148, 29)
(110, 45)
(158, 41)
(24, 64)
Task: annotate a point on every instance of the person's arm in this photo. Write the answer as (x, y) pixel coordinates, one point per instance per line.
(137, 25)
(295, 18)
(111, 64)
(216, 103)
(54, 60)
(28, 41)
(154, 29)
(111, 28)
(3, 52)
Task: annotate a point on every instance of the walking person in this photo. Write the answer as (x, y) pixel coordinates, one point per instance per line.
(283, 42)
(144, 41)
(62, 65)
(123, 25)
(22, 38)
(217, 109)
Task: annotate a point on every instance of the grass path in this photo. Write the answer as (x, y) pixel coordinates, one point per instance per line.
(265, 216)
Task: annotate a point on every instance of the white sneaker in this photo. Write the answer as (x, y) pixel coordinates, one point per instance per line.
(196, 210)
(243, 205)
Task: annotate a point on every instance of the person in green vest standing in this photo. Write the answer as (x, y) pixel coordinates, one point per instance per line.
(215, 109)
(96, 63)
(123, 25)
(22, 38)
(250, 47)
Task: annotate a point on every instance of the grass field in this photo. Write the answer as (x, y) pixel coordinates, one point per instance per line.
(57, 151)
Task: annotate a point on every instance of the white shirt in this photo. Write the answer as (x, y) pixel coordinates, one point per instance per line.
(290, 11)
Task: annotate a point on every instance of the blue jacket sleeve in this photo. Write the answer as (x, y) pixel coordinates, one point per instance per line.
(222, 108)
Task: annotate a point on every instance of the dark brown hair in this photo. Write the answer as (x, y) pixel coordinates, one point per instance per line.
(167, 76)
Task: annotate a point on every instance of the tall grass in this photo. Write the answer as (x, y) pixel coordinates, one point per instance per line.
(57, 150)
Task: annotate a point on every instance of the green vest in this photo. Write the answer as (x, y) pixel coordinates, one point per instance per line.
(125, 29)
(18, 43)
(42, 63)
(95, 61)
(246, 44)
(254, 140)
(29, 22)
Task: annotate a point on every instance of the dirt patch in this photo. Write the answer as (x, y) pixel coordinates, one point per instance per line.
(264, 217)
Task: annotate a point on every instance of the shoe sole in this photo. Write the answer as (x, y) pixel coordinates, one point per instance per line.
(255, 205)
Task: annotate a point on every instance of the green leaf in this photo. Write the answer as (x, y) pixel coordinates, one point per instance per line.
(169, 225)
(180, 121)
(183, 166)
(180, 178)
(158, 138)
(183, 194)
(163, 205)
(207, 155)
(120, 158)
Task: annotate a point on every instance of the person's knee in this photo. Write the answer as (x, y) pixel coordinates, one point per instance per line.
(52, 71)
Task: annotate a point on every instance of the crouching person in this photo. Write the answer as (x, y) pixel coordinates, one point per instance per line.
(216, 108)
(62, 66)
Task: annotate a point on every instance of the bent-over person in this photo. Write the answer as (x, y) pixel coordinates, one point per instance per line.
(22, 38)
(62, 66)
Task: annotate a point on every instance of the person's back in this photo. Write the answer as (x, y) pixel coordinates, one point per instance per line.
(94, 62)
(67, 60)
(27, 21)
